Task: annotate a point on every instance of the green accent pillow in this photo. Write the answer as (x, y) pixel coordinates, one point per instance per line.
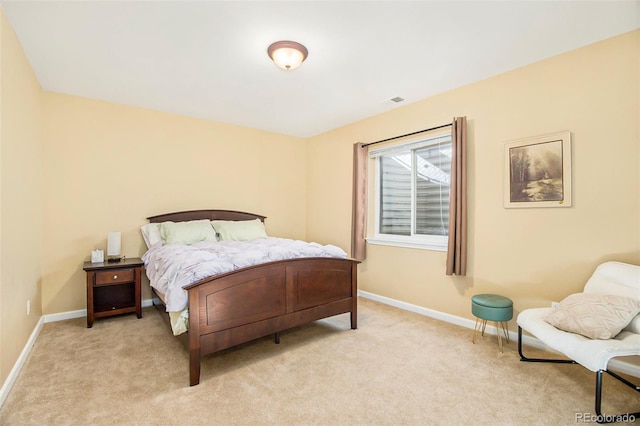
(190, 232)
(239, 230)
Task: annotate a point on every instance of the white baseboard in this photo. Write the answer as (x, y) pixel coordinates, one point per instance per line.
(13, 374)
(81, 313)
(614, 364)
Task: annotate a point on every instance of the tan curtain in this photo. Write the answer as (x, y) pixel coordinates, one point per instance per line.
(359, 209)
(457, 246)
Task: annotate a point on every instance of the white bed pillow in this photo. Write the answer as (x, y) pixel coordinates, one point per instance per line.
(596, 316)
(151, 234)
(190, 232)
(239, 230)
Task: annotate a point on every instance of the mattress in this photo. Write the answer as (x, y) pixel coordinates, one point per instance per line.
(179, 320)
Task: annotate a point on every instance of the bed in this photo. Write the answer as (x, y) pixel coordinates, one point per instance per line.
(235, 307)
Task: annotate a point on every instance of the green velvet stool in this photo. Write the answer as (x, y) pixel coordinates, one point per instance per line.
(492, 307)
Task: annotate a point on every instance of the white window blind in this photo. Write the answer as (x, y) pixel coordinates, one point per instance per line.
(412, 193)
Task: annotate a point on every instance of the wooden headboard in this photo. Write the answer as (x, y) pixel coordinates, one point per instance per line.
(204, 214)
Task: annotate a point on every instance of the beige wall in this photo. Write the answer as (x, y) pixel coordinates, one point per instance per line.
(108, 167)
(73, 169)
(20, 199)
(533, 256)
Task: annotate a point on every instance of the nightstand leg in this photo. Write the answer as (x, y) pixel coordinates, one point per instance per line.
(90, 311)
(138, 284)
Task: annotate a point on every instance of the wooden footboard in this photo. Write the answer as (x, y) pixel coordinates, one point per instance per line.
(253, 302)
(247, 304)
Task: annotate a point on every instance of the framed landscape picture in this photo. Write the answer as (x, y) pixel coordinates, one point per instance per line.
(538, 171)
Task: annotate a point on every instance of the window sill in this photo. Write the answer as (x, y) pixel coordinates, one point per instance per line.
(408, 244)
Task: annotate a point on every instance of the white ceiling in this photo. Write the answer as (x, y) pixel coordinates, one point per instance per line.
(209, 59)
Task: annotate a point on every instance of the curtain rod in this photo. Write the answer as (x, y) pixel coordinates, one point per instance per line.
(408, 134)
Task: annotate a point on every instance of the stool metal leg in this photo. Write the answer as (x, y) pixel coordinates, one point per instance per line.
(475, 331)
(505, 330)
(481, 325)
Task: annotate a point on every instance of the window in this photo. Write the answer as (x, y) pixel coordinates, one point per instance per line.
(412, 193)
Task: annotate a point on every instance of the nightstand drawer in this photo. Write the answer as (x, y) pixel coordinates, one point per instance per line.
(115, 277)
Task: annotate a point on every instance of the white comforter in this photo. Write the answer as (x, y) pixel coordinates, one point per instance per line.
(173, 266)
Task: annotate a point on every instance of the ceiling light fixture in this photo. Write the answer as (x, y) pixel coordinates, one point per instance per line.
(288, 55)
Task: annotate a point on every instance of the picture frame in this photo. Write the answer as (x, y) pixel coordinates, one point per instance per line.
(537, 171)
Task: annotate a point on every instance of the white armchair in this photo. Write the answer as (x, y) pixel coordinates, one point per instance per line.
(606, 311)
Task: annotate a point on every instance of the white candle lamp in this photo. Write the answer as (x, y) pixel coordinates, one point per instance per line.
(113, 247)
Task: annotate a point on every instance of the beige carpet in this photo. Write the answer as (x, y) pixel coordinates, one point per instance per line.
(397, 368)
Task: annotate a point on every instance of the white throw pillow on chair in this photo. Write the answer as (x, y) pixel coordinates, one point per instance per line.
(596, 316)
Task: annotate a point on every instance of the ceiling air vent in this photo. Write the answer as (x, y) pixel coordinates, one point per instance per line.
(397, 99)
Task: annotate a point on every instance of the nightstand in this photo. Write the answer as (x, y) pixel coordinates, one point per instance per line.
(113, 288)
